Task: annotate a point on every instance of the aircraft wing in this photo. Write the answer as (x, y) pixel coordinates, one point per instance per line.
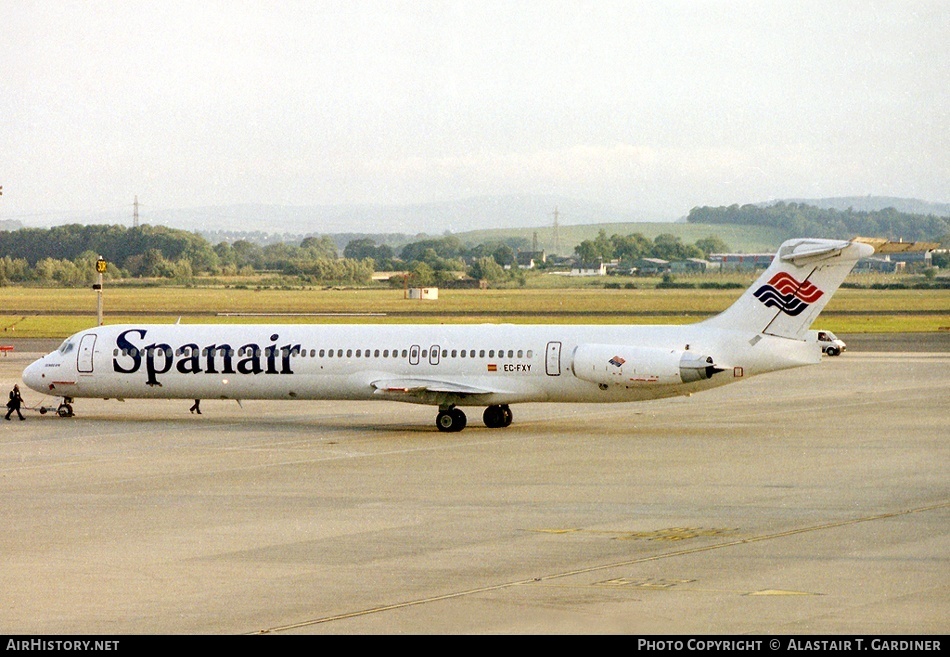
(427, 390)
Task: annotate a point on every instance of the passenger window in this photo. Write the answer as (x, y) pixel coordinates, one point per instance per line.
(385, 353)
(481, 353)
(520, 352)
(453, 353)
(511, 353)
(530, 353)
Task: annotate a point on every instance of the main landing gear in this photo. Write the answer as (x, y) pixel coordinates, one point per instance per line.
(453, 419)
(496, 417)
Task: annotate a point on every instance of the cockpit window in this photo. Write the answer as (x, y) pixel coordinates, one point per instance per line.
(66, 347)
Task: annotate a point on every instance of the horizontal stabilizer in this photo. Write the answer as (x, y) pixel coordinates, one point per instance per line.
(881, 245)
(811, 252)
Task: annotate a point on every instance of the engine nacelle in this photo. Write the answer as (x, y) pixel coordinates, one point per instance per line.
(621, 365)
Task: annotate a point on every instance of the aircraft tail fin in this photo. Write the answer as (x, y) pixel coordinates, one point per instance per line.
(788, 296)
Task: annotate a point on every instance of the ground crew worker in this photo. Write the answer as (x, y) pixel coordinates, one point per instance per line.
(196, 407)
(14, 404)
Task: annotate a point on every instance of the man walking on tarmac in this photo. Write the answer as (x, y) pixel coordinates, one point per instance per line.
(14, 404)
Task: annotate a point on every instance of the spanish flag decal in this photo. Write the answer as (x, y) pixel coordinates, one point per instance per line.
(492, 367)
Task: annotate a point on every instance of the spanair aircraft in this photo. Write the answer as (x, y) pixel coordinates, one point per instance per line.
(491, 366)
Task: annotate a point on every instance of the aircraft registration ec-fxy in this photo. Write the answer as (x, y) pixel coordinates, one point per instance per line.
(491, 366)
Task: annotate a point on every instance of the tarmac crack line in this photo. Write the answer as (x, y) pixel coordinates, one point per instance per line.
(591, 569)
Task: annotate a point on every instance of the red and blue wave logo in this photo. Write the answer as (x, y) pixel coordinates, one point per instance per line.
(789, 295)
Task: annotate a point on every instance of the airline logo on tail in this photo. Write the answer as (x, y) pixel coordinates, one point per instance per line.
(787, 294)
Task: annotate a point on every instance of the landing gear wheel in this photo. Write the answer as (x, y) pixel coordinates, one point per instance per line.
(64, 410)
(498, 416)
(450, 420)
(509, 416)
(493, 417)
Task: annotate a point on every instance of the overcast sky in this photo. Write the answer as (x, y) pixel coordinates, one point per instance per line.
(653, 107)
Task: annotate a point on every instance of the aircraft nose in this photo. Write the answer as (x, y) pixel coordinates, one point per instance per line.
(33, 376)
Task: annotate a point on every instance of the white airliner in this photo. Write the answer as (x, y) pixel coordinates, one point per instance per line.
(491, 366)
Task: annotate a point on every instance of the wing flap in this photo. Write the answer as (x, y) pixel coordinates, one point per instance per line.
(427, 386)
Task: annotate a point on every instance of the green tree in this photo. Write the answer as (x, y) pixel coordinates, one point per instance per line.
(421, 275)
(630, 247)
(669, 247)
(586, 251)
(712, 244)
(505, 256)
(486, 268)
(320, 247)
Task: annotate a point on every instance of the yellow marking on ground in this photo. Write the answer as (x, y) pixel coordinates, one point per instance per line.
(780, 592)
(649, 583)
(666, 534)
(553, 577)
(672, 534)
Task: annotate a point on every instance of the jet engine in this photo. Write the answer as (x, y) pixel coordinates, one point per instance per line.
(606, 364)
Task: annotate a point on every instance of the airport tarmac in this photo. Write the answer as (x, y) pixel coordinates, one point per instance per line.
(812, 501)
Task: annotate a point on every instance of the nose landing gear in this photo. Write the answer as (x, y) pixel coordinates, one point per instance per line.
(65, 409)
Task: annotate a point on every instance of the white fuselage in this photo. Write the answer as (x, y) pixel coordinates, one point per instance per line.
(766, 329)
(462, 365)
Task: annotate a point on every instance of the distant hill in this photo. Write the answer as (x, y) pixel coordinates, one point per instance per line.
(803, 219)
(872, 203)
(483, 212)
(474, 220)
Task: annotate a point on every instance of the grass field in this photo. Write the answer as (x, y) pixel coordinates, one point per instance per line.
(56, 313)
